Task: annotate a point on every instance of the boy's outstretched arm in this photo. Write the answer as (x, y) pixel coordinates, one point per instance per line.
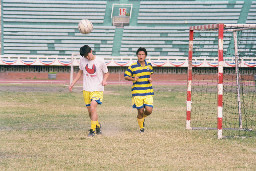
(79, 74)
(105, 77)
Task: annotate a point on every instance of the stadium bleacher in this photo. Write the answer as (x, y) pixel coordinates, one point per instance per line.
(189, 12)
(252, 14)
(49, 28)
(159, 41)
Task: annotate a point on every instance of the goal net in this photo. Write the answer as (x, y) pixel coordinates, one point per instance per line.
(221, 90)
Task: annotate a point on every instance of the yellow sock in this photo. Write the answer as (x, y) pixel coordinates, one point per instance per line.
(140, 122)
(93, 125)
(98, 124)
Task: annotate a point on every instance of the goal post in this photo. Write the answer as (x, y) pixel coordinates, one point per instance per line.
(74, 61)
(219, 30)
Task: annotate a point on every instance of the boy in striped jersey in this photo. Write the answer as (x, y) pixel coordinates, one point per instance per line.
(142, 90)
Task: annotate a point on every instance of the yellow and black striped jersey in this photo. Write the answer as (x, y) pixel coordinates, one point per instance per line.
(141, 87)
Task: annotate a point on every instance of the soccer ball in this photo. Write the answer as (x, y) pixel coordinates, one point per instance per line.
(85, 26)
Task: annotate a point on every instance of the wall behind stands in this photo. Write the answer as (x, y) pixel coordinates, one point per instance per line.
(46, 27)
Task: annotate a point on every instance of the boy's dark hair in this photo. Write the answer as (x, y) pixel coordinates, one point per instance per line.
(84, 50)
(142, 49)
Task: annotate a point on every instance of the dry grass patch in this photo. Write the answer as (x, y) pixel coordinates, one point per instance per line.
(43, 130)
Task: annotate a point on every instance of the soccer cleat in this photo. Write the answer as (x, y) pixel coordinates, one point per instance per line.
(98, 131)
(144, 122)
(142, 130)
(91, 133)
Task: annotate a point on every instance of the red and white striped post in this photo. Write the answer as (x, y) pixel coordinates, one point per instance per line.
(220, 81)
(189, 83)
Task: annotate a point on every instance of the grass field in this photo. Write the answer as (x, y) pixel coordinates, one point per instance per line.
(44, 127)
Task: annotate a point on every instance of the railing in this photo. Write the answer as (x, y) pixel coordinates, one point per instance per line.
(123, 61)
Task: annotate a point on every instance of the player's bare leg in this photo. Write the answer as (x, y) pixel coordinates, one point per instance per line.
(142, 114)
(140, 119)
(92, 109)
(148, 110)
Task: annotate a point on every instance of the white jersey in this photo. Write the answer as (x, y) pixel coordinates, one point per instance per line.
(93, 72)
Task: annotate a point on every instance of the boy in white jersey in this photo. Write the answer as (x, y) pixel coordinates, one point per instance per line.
(95, 74)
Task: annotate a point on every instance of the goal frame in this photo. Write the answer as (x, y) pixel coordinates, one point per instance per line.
(220, 28)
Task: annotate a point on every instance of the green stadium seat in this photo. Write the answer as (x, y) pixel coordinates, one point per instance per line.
(50, 27)
(157, 40)
(252, 14)
(188, 12)
(54, 25)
